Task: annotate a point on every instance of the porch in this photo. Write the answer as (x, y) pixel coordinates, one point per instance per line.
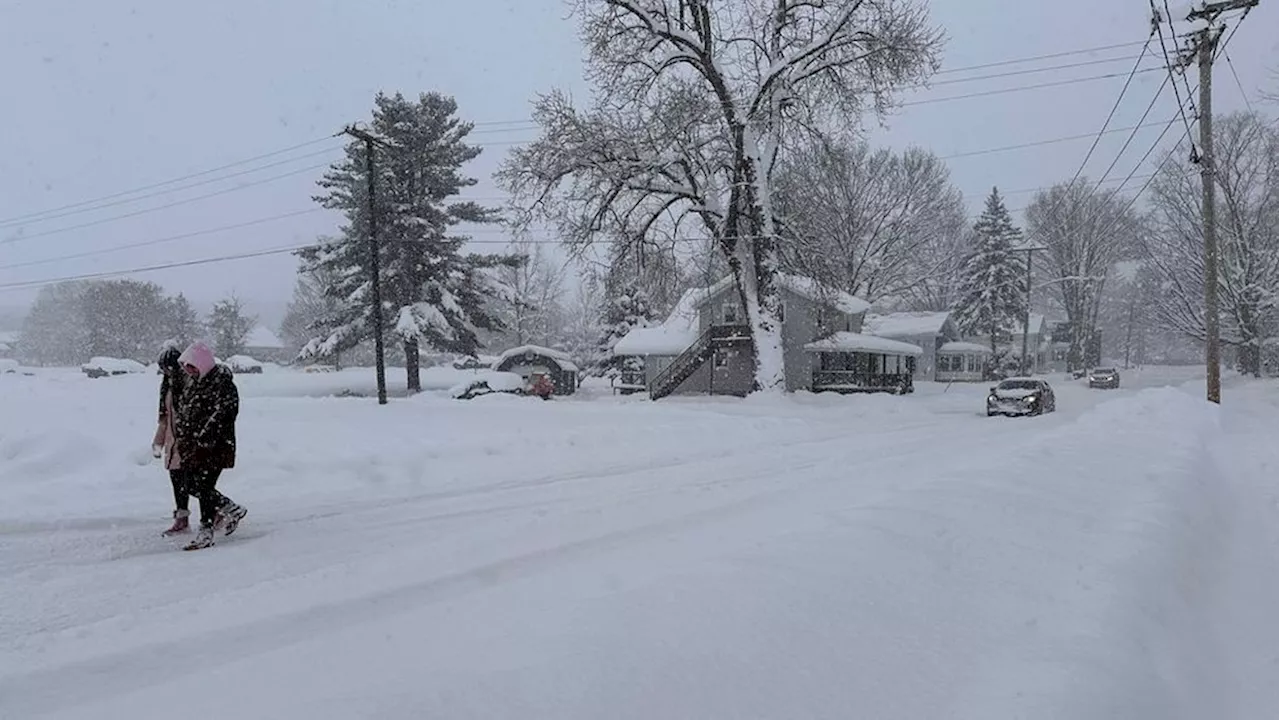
(963, 362)
(850, 362)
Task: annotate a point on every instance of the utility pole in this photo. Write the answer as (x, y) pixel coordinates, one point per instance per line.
(1026, 320)
(375, 273)
(1206, 42)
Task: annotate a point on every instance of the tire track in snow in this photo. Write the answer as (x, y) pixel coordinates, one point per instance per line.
(48, 689)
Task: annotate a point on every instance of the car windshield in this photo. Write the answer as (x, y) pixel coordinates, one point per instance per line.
(1019, 385)
(1104, 371)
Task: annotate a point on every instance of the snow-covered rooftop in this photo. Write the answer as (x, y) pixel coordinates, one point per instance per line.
(804, 287)
(857, 342)
(561, 358)
(960, 346)
(675, 334)
(261, 337)
(905, 324)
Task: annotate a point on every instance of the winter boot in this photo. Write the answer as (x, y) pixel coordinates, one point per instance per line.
(229, 517)
(204, 538)
(180, 524)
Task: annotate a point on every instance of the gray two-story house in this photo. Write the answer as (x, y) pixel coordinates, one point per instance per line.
(705, 346)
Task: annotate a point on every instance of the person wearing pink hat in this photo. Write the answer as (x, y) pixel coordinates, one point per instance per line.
(205, 428)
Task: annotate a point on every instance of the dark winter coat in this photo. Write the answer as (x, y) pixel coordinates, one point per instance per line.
(206, 422)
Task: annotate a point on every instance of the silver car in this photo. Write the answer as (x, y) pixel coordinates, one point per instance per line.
(1105, 378)
(1021, 396)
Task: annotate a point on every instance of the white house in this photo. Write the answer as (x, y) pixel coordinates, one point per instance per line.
(926, 330)
(262, 344)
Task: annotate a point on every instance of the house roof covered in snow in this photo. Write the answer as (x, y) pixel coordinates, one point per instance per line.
(960, 346)
(857, 342)
(905, 324)
(261, 337)
(560, 358)
(672, 337)
(9, 337)
(804, 287)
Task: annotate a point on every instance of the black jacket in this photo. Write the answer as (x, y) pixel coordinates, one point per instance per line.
(206, 422)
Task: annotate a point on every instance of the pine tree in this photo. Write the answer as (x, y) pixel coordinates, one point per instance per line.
(54, 331)
(432, 293)
(182, 323)
(229, 326)
(628, 307)
(993, 294)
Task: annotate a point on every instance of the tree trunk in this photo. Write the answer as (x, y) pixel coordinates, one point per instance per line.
(413, 381)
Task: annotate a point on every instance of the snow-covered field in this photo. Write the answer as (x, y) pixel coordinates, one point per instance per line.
(602, 557)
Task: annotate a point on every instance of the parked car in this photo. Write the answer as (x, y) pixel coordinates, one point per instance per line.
(1021, 396)
(1104, 378)
(244, 365)
(99, 367)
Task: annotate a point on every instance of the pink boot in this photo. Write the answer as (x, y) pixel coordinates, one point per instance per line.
(181, 524)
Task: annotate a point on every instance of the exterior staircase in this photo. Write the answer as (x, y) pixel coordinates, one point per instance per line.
(687, 363)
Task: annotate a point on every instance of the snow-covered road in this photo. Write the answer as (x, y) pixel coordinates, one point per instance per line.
(808, 557)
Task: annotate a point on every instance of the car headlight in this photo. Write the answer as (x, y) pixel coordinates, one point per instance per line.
(1030, 399)
(991, 399)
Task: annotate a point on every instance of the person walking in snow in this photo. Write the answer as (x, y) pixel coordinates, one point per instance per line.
(206, 439)
(164, 444)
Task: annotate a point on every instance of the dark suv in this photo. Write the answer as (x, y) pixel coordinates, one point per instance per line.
(1104, 378)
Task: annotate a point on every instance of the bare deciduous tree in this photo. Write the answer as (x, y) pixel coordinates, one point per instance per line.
(695, 100)
(874, 223)
(1085, 232)
(1246, 176)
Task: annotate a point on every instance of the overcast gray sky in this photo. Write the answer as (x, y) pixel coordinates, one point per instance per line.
(104, 97)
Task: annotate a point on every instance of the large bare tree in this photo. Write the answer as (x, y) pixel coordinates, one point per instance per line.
(1085, 232)
(882, 225)
(1245, 173)
(695, 101)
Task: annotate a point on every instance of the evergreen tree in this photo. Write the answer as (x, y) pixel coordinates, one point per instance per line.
(626, 308)
(994, 290)
(229, 326)
(432, 293)
(182, 323)
(312, 311)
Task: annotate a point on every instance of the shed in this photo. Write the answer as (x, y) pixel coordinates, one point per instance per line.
(529, 361)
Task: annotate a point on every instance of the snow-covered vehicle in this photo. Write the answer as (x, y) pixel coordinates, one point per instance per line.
(98, 367)
(1104, 378)
(244, 365)
(475, 362)
(1021, 396)
(8, 365)
(488, 383)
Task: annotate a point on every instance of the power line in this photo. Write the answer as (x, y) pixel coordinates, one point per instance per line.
(1247, 103)
(127, 201)
(1038, 143)
(170, 181)
(161, 241)
(1050, 56)
(151, 268)
(1120, 154)
(1021, 88)
(157, 208)
(1028, 71)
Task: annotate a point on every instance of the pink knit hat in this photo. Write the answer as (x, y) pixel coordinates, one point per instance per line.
(198, 355)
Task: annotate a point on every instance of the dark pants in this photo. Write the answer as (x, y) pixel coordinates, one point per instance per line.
(202, 484)
(180, 496)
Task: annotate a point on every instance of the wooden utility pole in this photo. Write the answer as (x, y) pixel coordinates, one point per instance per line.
(1206, 42)
(1026, 320)
(375, 273)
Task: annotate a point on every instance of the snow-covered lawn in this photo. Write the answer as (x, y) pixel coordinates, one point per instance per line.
(598, 556)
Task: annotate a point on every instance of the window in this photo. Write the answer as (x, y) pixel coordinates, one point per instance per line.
(782, 311)
(729, 311)
(722, 358)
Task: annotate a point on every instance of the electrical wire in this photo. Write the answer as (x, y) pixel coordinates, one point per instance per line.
(1021, 88)
(170, 181)
(157, 208)
(128, 201)
(163, 240)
